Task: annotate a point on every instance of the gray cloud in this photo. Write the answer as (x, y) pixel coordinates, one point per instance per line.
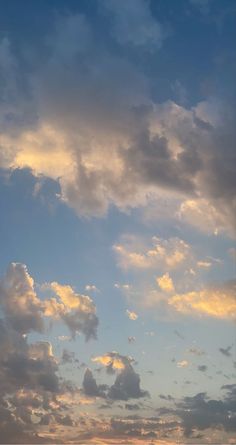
(90, 386)
(67, 356)
(93, 102)
(200, 413)
(127, 385)
(25, 311)
(127, 382)
(29, 372)
(133, 24)
(226, 351)
(202, 368)
(22, 308)
(79, 321)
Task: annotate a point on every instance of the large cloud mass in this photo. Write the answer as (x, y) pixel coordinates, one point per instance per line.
(30, 387)
(93, 105)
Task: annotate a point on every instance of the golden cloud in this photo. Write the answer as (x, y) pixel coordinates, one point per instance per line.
(165, 282)
(215, 302)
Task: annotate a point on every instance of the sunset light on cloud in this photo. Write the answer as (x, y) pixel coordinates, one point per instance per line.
(118, 222)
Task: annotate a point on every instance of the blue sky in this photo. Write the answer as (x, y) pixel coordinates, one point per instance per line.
(117, 228)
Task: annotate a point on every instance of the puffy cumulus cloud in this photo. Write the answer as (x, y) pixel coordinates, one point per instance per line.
(127, 382)
(127, 385)
(218, 302)
(132, 315)
(77, 311)
(134, 252)
(32, 393)
(29, 384)
(25, 311)
(22, 307)
(43, 150)
(87, 103)
(113, 361)
(165, 282)
(187, 296)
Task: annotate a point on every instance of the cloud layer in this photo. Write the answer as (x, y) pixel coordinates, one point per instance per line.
(88, 112)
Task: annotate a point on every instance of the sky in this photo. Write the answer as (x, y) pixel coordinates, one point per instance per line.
(117, 227)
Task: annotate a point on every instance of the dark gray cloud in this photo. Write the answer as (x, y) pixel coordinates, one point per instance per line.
(226, 351)
(90, 386)
(169, 398)
(199, 412)
(132, 406)
(127, 385)
(202, 368)
(79, 321)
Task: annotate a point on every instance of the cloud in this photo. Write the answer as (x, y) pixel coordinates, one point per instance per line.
(204, 216)
(132, 406)
(196, 351)
(165, 283)
(132, 315)
(91, 288)
(76, 310)
(133, 252)
(226, 351)
(133, 24)
(29, 383)
(25, 311)
(202, 413)
(127, 382)
(182, 364)
(131, 339)
(218, 302)
(32, 392)
(113, 361)
(127, 385)
(90, 386)
(67, 356)
(22, 308)
(202, 368)
(88, 103)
